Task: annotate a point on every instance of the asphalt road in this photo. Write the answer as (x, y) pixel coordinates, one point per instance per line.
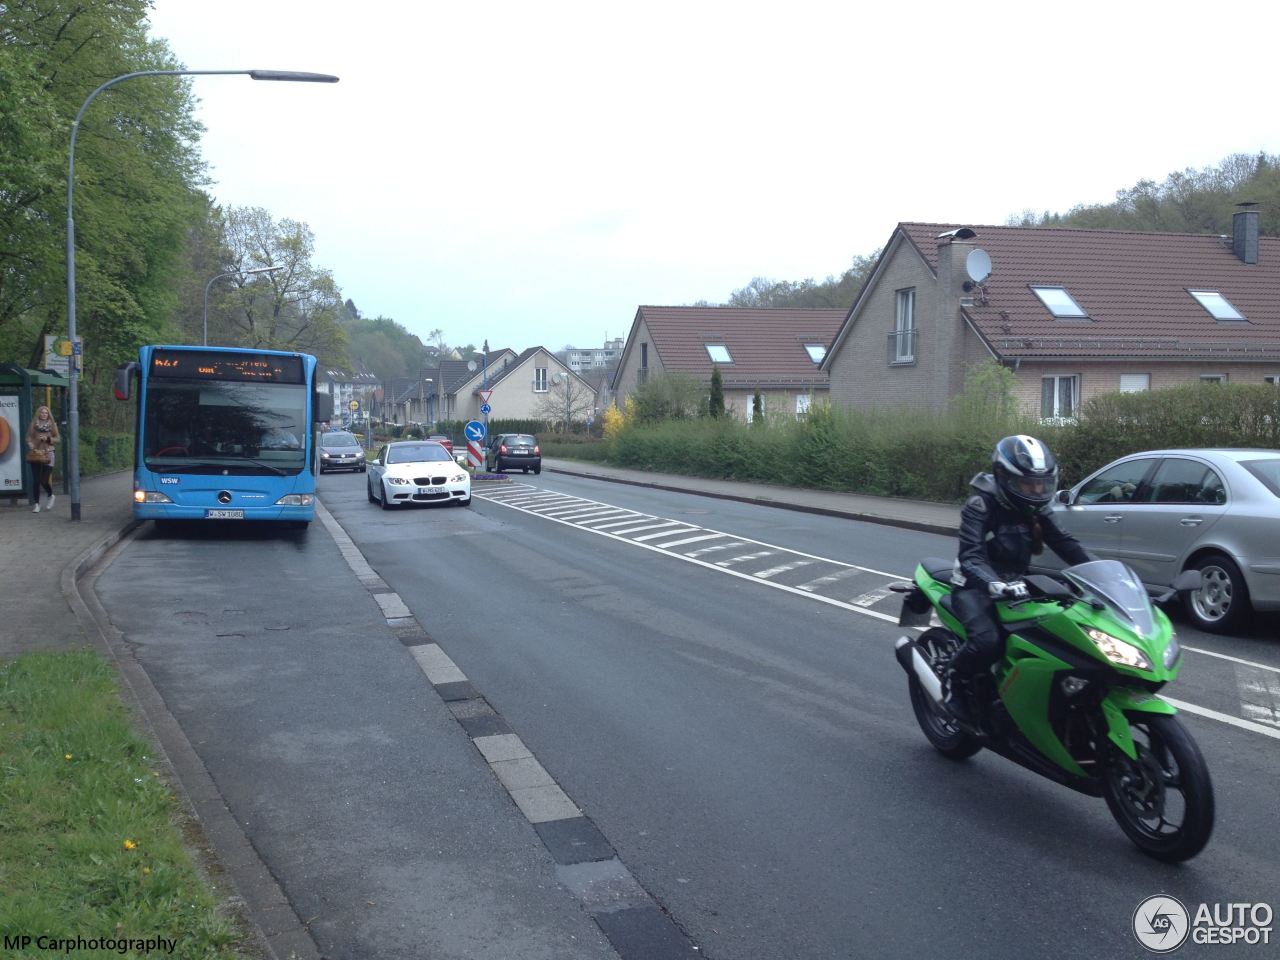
(734, 722)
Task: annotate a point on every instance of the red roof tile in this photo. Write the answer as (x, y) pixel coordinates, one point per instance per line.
(1132, 285)
(767, 345)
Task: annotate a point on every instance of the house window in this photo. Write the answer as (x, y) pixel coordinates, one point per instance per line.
(802, 405)
(904, 327)
(1213, 378)
(1135, 382)
(539, 379)
(718, 353)
(644, 355)
(1274, 381)
(816, 351)
(1219, 307)
(1060, 303)
(1059, 396)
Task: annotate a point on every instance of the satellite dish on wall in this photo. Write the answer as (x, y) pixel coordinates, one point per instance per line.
(978, 265)
(472, 365)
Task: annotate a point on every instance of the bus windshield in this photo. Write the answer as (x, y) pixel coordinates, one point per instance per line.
(212, 426)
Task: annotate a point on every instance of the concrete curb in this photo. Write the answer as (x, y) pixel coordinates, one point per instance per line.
(224, 855)
(918, 525)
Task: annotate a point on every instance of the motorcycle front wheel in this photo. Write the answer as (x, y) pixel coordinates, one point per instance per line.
(939, 646)
(1163, 800)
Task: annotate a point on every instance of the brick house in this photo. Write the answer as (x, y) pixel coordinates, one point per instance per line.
(523, 387)
(774, 350)
(1072, 312)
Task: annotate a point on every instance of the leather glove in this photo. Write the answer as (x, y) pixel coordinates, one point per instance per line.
(999, 590)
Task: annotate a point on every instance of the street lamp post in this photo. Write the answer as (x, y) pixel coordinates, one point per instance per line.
(233, 273)
(73, 421)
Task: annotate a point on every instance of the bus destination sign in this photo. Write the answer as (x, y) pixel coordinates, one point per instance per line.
(210, 365)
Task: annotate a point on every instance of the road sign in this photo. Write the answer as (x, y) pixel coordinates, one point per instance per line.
(484, 396)
(354, 405)
(486, 409)
(62, 356)
(474, 430)
(474, 455)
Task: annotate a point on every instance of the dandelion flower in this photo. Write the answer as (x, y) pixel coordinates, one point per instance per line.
(66, 756)
(129, 844)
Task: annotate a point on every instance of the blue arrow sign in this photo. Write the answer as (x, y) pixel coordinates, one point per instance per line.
(474, 430)
(486, 409)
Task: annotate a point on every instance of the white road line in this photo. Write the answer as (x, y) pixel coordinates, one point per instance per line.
(774, 571)
(874, 596)
(1259, 695)
(623, 523)
(722, 546)
(595, 512)
(744, 558)
(1223, 656)
(1272, 732)
(681, 543)
(564, 503)
(647, 526)
(557, 510)
(830, 578)
(628, 516)
(665, 533)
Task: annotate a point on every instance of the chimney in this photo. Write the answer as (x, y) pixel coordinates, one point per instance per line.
(1244, 233)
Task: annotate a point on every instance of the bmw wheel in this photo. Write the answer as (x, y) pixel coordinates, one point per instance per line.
(368, 491)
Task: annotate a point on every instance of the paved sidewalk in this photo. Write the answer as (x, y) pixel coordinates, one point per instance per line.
(940, 518)
(41, 554)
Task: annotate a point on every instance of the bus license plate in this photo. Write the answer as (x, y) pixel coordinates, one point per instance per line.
(224, 514)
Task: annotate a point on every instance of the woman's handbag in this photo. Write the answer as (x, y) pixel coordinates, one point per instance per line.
(37, 456)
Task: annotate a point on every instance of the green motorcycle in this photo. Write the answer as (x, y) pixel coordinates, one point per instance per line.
(1074, 695)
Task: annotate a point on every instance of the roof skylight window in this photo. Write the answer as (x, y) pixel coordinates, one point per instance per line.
(718, 353)
(1219, 307)
(816, 351)
(1060, 303)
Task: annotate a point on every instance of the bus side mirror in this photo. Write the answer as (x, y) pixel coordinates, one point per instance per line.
(322, 404)
(124, 379)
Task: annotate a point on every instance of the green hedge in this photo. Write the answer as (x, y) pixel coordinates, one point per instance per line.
(933, 457)
(104, 452)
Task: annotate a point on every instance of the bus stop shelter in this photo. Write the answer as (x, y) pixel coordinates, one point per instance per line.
(22, 391)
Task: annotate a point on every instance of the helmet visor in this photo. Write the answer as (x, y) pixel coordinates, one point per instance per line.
(1037, 488)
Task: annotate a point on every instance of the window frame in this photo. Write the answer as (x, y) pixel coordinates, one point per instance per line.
(821, 349)
(804, 403)
(904, 325)
(1057, 379)
(1213, 378)
(539, 376)
(710, 347)
(1054, 311)
(1143, 389)
(1197, 295)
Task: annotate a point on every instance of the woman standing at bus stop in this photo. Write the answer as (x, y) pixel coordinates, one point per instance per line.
(42, 439)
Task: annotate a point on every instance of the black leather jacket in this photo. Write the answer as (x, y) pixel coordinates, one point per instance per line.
(996, 542)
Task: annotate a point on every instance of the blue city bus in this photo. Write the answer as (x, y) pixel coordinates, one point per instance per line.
(224, 433)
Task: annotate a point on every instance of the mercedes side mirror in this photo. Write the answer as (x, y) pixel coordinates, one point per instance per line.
(1063, 497)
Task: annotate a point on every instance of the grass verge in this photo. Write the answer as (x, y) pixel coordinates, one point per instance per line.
(90, 845)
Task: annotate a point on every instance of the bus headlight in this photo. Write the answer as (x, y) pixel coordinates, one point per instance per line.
(295, 500)
(1117, 651)
(150, 496)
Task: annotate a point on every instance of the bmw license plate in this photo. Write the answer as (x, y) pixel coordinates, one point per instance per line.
(224, 514)
(430, 489)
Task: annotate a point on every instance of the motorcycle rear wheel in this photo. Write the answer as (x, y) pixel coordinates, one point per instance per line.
(1163, 801)
(938, 646)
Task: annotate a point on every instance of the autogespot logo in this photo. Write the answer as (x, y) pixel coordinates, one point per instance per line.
(1161, 923)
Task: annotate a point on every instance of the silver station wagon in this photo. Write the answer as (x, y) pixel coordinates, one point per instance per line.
(1165, 511)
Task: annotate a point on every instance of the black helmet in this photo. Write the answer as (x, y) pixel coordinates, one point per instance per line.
(1026, 473)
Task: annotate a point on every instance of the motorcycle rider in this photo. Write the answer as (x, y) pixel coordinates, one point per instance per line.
(1002, 525)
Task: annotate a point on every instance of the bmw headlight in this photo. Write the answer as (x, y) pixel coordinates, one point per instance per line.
(295, 500)
(397, 481)
(458, 479)
(1172, 652)
(1118, 651)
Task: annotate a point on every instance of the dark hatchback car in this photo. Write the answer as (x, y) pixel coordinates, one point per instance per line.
(340, 450)
(513, 451)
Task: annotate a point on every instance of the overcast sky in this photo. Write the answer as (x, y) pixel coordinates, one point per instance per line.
(530, 173)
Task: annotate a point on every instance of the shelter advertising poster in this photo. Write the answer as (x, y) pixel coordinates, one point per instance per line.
(10, 446)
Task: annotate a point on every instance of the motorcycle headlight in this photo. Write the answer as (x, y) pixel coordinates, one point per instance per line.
(1172, 652)
(1118, 651)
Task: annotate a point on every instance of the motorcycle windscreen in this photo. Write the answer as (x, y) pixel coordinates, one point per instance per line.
(1114, 584)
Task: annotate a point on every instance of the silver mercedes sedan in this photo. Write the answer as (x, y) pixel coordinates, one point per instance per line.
(1165, 511)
